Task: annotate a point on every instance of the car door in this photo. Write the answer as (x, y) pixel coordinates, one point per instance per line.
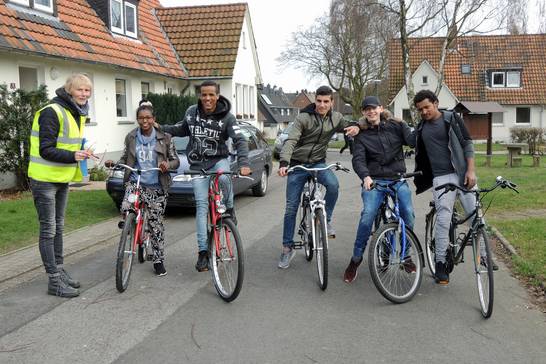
(255, 157)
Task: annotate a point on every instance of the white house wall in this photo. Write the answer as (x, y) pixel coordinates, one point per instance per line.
(106, 130)
(501, 130)
(246, 70)
(446, 98)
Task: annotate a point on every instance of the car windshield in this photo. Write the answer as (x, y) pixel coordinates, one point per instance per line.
(180, 143)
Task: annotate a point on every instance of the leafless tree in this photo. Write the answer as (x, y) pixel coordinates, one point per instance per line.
(347, 46)
(541, 14)
(516, 16)
(463, 17)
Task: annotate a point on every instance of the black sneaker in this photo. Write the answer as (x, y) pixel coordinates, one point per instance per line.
(442, 277)
(57, 287)
(202, 264)
(409, 265)
(160, 269)
(68, 279)
(231, 212)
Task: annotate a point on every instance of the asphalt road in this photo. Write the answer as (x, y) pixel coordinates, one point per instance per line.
(281, 316)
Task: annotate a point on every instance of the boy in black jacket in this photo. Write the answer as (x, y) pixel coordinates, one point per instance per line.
(378, 157)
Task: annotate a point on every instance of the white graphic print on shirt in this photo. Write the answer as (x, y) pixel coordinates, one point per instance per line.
(206, 135)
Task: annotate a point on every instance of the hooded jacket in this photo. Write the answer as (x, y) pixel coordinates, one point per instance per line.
(208, 135)
(460, 145)
(49, 128)
(378, 151)
(308, 139)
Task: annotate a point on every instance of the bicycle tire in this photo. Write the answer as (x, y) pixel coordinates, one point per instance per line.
(321, 248)
(396, 279)
(484, 274)
(305, 231)
(124, 262)
(430, 244)
(227, 277)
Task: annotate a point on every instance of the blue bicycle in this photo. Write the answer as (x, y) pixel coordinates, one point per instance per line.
(395, 256)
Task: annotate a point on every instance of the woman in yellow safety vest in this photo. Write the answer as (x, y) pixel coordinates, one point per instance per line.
(55, 150)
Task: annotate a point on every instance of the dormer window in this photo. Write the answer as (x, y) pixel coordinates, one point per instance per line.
(123, 18)
(47, 6)
(505, 78)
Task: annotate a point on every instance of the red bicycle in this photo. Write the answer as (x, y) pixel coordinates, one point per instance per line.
(226, 255)
(135, 237)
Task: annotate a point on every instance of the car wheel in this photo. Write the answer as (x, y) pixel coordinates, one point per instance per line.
(261, 188)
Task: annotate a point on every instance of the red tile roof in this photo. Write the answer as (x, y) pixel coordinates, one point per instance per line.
(81, 35)
(483, 53)
(205, 37)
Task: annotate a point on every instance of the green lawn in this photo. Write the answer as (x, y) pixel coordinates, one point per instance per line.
(497, 147)
(19, 225)
(527, 234)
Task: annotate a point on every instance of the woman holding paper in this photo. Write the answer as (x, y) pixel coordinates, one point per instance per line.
(55, 150)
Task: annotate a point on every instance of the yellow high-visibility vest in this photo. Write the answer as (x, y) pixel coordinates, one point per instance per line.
(69, 138)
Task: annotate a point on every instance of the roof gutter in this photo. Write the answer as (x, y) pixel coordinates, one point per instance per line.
(79, 60)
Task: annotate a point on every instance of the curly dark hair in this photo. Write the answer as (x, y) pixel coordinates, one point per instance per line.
(423, 95)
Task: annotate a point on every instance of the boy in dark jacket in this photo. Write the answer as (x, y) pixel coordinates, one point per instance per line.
(378, 157)
(209, 124)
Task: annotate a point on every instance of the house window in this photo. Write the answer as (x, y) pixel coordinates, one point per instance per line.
(252, 97)
(246, 103)
(123, 17)
(121, 98)
(28, 78)
(497, 79)
(46, 6)
(523, 115)
(406, 116)
(466, 69)
(145, 89)
(497, 118)
(505, 79)
(425, 80)
(513, 79)
(239, 103)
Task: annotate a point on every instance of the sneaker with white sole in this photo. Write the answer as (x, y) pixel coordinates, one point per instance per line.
(331, 230)
(287, 255)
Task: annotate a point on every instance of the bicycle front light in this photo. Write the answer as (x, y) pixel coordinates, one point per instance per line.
(118, 173)
(132, 198)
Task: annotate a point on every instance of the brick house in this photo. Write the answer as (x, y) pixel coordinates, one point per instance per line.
(507, 69)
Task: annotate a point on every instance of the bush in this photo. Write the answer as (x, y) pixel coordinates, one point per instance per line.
(17, 109)
(532, 136)
(169, 108)
(98, 174)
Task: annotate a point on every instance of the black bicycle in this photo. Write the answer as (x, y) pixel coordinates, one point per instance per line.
(395, 256)
(312, 221)
(476, 236)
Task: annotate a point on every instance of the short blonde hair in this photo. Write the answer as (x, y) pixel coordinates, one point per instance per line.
(76, 80)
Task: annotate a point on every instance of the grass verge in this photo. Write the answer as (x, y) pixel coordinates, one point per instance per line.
(521, 218)
(19, 225)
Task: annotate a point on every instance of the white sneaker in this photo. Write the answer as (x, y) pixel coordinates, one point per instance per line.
(286, 257)
(331, 230)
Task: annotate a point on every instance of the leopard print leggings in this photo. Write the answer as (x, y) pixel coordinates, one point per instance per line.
(155, 201)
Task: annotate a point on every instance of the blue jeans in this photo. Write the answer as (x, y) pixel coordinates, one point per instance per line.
(201, 194)
(294, 187)
(50, 201)
(372, 202)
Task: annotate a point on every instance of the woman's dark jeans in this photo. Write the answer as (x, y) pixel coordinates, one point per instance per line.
(50, 200)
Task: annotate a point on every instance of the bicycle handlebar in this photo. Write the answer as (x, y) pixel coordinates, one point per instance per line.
(138, 170)
(401, 177)
(499, 182)
(204, 174)
(336, 166)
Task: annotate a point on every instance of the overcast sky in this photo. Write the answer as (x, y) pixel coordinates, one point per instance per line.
(273, 22)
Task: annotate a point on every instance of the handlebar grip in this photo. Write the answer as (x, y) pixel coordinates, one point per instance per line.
(447, 186)
(412, 174)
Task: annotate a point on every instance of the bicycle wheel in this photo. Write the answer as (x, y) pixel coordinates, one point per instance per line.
(483, 267)
(321, 248)
(396, 274)
(430, 245)
(124, 261)
(304, 229)
(226, 259)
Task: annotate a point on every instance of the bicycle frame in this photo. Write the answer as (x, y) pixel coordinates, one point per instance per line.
(216, 209)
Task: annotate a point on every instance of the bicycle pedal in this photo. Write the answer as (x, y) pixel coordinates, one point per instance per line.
(298, 245)
(121, 224)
